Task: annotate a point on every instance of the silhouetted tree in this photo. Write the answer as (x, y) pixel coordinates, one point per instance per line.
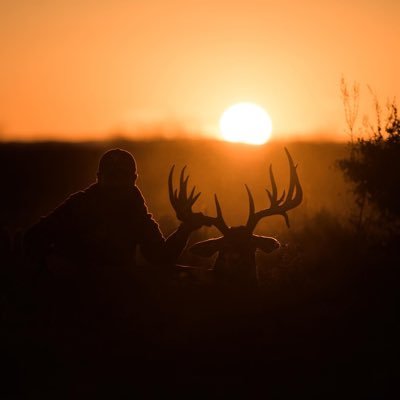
(373, 167)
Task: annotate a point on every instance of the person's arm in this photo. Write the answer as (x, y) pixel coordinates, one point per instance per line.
(177, 241)
(158, 250)
(39, 238)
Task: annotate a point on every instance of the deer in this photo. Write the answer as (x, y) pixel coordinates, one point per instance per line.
(236, 248)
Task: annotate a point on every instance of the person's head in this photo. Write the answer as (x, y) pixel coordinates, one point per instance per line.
(117, 168)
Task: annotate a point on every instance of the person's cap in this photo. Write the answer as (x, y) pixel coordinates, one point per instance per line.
(117, 162)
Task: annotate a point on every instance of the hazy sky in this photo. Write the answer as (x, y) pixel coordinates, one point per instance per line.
(85, 68)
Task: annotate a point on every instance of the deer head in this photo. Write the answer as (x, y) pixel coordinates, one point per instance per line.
(237, 246)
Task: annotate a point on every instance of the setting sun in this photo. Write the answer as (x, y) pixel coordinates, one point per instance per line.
(246, 123)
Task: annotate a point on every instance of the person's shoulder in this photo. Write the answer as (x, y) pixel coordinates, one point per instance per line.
(81, 195)
(137, 200)
(76, 196)
(136, 195)
(135, 191)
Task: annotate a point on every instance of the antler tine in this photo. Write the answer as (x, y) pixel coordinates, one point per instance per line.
(183, 182)
(219, 220)
(192, 199)
(274, 194)
(294, 182)
(286, 202)
(273, 197)
(171, 192)
(251, 207)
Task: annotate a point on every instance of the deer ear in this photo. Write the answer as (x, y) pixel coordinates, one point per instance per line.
(266, 244)
(206, 248)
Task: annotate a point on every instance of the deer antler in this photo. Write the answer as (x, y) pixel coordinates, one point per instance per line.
(182, 204)
(281, 205)
(219, 222)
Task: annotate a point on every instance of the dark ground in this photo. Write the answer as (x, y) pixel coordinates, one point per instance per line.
(155, 339)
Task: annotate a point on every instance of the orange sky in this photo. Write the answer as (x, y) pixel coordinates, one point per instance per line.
(74, 69)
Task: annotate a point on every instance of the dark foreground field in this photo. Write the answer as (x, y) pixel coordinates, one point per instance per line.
(323, 322)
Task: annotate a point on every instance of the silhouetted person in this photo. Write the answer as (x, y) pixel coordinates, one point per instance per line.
(104, 223)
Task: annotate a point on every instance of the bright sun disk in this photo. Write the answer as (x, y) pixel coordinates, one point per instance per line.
(246, 123)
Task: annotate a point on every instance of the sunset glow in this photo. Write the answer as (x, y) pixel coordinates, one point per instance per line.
(246, 123)
(167, 68)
